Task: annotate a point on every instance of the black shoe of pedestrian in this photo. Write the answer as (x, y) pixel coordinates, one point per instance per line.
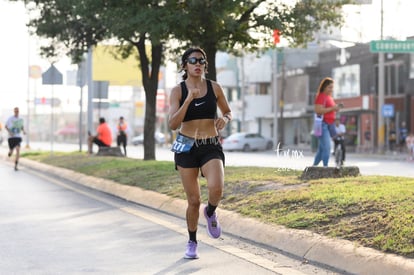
(9, 154)
(15, 168)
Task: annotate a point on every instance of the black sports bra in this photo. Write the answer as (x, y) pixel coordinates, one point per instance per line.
(200, 108)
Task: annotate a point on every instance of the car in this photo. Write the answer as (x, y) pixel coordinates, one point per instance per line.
(247, 142)
(158, 136)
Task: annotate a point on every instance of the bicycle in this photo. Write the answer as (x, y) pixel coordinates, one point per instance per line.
(338, 155)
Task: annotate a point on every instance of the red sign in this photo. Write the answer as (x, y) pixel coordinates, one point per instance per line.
(161, 101)
(276, 36)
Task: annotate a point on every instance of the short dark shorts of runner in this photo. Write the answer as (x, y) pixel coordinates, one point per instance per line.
(100, 143)
(202, 151)
(14, 141)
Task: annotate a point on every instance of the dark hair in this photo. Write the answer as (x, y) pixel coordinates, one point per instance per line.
(185, 56)
(324, 83)
(101, 120)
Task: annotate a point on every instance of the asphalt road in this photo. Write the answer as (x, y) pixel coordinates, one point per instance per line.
(51, 226)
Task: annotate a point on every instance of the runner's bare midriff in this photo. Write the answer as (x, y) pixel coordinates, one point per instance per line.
(199, 128)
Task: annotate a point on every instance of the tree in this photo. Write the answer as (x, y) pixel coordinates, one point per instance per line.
(232, 26)
(79, 25)
(224, 25)
(69, 26)
(141, 22)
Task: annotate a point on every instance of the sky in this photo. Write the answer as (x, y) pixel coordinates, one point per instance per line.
(18, 50)
(363, 22)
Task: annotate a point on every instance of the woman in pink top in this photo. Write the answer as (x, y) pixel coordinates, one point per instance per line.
(326, 106)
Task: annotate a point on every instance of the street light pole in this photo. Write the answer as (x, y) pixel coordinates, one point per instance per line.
(242, 95)
(275, 99)
(80, 79)
(28, 86)
(381, 90)
(28, 100)
(90, 90)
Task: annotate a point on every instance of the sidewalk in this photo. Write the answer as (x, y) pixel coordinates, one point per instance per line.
(339, 254)
(389, 155)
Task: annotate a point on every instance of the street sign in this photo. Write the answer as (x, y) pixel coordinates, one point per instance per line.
(100, 105)
(52, 76)
(100, 89)
(114, 105)
(388, 110)
(47, 101)
(392, 46)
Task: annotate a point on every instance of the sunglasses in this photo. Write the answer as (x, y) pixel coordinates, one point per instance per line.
(193, 60)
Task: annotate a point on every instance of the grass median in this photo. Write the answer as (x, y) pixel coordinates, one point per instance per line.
(373, 211)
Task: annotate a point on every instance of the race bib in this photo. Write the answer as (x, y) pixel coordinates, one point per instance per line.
(16, 126)
(182, 144)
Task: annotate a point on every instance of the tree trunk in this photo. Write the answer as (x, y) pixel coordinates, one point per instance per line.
(150, 83)
(211, 51)
(315, 172)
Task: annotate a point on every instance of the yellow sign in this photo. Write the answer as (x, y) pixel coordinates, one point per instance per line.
(108, 65)
(35, 72)
(139, 108)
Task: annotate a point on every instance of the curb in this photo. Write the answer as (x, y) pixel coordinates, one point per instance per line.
(339, 254)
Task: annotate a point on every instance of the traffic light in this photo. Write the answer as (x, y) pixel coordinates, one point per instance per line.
(276, 36)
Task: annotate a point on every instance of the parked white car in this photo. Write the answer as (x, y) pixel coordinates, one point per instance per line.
(247, 142)
(158, 136)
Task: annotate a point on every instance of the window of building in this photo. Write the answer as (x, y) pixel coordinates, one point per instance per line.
(263, 88)
(393, 78)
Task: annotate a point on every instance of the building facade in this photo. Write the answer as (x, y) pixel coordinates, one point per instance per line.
(355, 71)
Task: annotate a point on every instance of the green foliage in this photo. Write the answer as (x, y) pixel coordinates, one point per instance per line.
(69, 25)
(227, 25)
(233, 25)
(236, 26)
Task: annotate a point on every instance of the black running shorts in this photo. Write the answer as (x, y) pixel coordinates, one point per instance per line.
(14, 142)
(202, 151)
